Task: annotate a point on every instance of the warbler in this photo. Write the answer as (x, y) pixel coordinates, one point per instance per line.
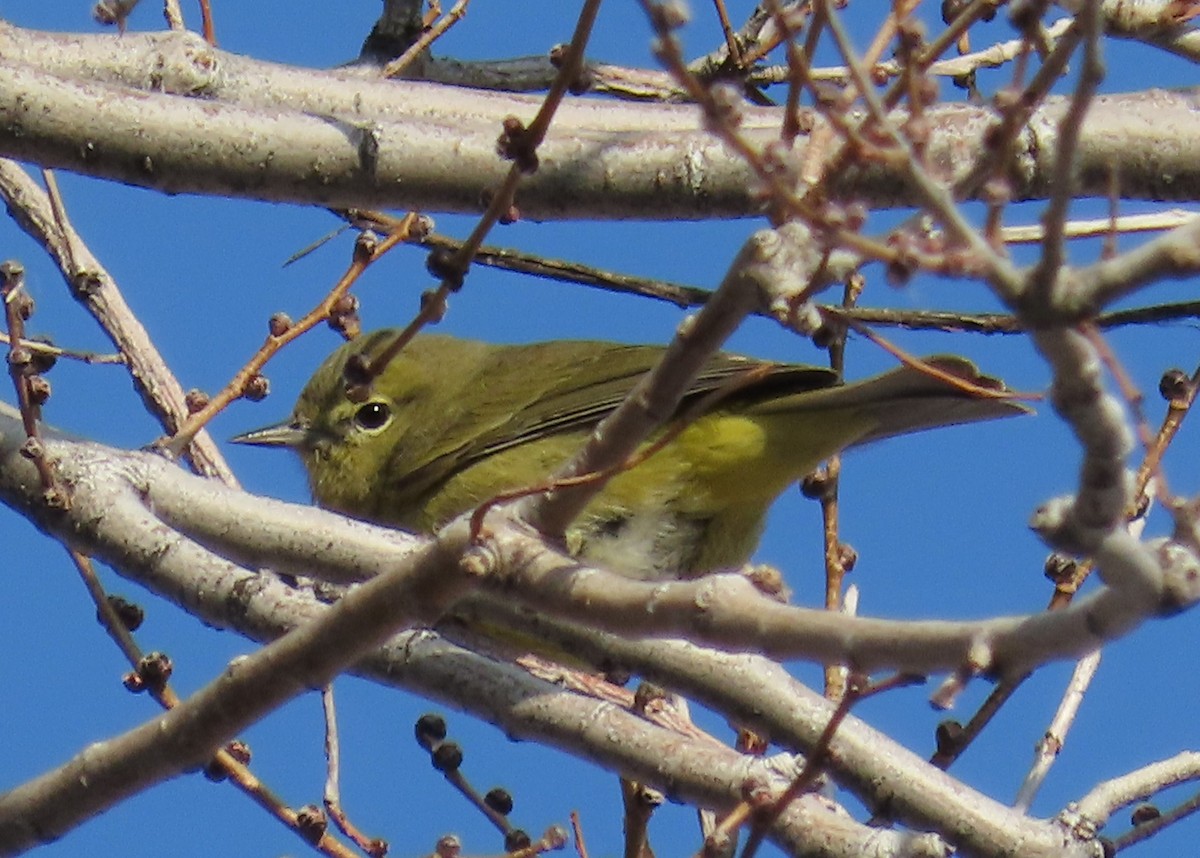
(451, 423)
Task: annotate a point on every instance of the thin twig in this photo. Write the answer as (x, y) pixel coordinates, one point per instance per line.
(1052, 741)
(520, 144)
(365, 254)
(34, 211)
(333, 793)
(397, 66)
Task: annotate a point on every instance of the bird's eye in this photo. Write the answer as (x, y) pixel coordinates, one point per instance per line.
(373, 415)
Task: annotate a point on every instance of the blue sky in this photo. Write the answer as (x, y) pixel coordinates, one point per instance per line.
(938, 520)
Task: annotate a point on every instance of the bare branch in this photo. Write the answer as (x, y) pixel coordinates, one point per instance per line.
(289, 135)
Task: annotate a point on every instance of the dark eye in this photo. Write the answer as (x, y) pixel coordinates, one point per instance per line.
(373, 415)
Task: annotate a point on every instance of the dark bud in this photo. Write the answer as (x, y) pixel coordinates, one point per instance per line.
(511, 216)
(12, 273)
(130, 614)
(357, 371)
(311, 823)
(582, 83)
(39, 389)
(514, 144)
(558, 55)
(817, 485)
(41, 361)
(499, 800)
(215, 771)
(647, 693)
(155, 669)
(948, 737)
(279, 324)
(617, 675)
(110, 12)
(441, 265)
(669, 15)
(823, 337)
(847, 556)
(433, 304)
(1143, 813)
(430, 730)
(348, 326)
(257, 388)
(345, 305)
(365, 246)
(343, 317)
(22, 302)
(1175, 386)
(951, 9)
(133, 682)
(1059, 568)
(448, 846)
(899, 272)
(447, 757)
(195, 400)
(1025, 14)
(20, 359)
(516, 840)
(358, 393)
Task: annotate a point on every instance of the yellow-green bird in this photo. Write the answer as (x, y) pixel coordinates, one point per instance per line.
(451, 423)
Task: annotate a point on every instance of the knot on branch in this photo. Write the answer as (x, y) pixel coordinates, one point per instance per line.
(516, 144)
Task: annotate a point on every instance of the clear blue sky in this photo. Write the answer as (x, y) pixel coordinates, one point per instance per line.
(939, 520)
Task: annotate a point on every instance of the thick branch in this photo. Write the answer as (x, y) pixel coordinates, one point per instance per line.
(124, 499)
(337, 138)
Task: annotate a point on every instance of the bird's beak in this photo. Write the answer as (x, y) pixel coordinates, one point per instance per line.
(291, 433)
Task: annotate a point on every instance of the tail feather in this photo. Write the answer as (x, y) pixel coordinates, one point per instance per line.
(909, 399)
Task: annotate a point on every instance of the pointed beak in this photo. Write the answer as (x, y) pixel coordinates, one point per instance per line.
(292, 433)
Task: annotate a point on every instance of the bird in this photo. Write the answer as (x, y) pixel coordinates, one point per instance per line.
(451, 423)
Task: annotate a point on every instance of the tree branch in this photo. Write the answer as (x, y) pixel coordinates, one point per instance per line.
(338, 139)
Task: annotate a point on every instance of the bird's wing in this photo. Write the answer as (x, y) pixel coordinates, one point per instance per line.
(564, 405)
